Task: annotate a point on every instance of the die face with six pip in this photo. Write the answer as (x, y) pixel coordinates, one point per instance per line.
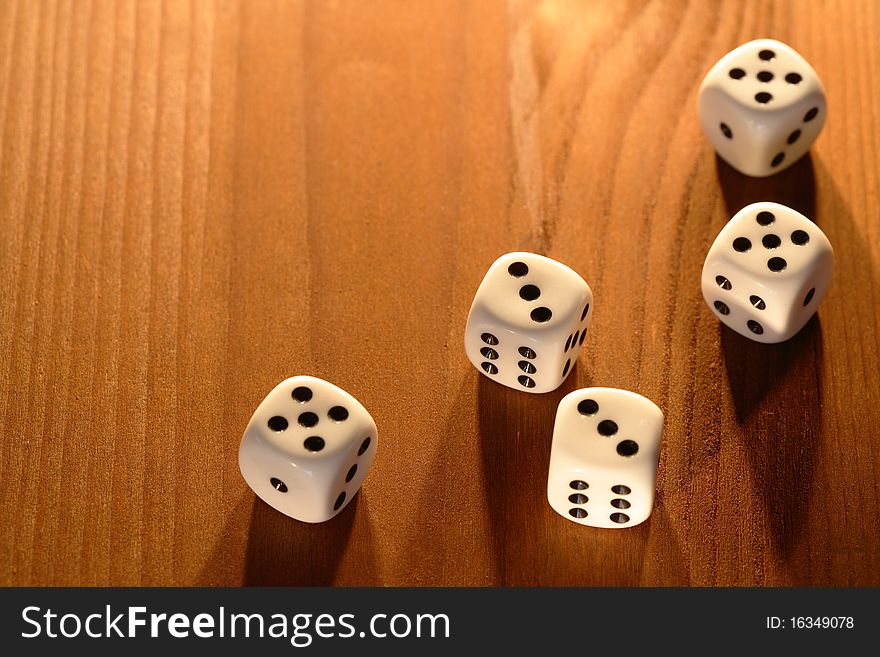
(767, 271)
(528, 321)
(307, 448)
(762, 106)
(603, 461)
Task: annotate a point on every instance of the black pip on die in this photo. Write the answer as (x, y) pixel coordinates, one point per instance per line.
(307, 448)
(762, 106)
(767, 271)
(528, 321)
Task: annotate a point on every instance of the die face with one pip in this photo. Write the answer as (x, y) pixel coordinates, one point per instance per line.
(528, 321)
(767, 271)
(762, 106)
(603, 462)
(307, 448)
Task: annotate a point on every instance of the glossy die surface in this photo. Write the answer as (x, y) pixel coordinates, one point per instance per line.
(762, 106)
(528, 321)
(767, 271)
(307, 448)
(603, 462)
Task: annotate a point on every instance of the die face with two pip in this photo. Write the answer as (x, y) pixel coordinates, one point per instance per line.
(307, 448)
(603, 461)
(762, 106)
(767, 271)
(528, 321)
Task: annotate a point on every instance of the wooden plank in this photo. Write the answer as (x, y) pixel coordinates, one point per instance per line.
(198, 200)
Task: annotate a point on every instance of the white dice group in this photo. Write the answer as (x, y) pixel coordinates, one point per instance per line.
(762, 106)
(309, 445)
(527, 322)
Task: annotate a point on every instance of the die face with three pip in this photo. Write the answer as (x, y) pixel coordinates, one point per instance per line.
(762, 106)
(604, 456)
(767, 271)
(527, 323)
(307, 448)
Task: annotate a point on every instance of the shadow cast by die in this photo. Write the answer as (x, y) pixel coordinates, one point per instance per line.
(777, 394)
(282, 551)
(515, 433)
(794, 187)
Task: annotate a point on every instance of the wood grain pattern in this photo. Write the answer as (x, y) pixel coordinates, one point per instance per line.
(199, 199)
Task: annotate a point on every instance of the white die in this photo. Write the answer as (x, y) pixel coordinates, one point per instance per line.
(603, 462)
(767, 271)
(528, 321)
(307, 448)
(762, 106)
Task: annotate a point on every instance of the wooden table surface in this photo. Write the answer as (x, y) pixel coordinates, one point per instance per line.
(200, 199)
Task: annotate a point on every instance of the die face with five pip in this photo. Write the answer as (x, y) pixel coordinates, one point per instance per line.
(762, 106)
(528, 321)
(767, 271)
(308, 448)
(603, 461)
